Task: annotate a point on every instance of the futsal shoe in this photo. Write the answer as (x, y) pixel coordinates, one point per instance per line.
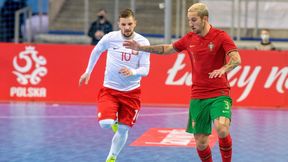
(115, 127)
(111, 159)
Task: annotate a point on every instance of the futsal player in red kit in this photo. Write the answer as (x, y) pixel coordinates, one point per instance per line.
(119, 99)
(210, 103)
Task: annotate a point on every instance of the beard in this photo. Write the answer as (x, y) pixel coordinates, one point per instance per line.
(200, 29)
(197, 31)
(127, 34)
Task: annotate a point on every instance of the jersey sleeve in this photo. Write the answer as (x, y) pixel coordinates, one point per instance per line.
(144, 62)
(180, 45)
(96, 52)
(228, 43)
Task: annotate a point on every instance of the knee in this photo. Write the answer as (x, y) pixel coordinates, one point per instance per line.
(123, 129)
(202, 141)
(202, 145)
(222, 130)
(222, 125)
(106, 123)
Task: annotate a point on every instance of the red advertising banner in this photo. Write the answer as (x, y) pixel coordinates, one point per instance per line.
(50, 73)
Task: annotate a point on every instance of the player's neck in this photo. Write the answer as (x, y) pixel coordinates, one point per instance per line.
(206, 29)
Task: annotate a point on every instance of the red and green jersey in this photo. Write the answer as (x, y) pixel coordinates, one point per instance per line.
(207, 53)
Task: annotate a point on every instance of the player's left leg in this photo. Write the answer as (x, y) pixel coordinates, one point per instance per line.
(221, 115)
(222, 125)
(118, 141)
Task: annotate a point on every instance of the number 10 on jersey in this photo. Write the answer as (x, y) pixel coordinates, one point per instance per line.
(126, 56)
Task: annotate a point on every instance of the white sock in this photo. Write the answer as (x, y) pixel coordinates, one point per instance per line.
(119, 140)
(106, 123)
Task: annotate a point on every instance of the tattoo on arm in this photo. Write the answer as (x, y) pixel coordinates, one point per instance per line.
(231, 65)
(158, 49)
(153, 49)
(234, 61)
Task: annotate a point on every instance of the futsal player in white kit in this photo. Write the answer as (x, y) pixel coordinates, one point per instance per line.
(119, 99)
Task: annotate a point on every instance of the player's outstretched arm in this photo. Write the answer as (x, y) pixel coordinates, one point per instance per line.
(155, 49)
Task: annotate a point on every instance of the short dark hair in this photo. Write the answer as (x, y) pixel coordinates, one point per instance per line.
(127, 13)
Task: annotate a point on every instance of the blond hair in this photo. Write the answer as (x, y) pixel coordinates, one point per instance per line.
(200, 8)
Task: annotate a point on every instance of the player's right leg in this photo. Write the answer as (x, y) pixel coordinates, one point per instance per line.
(107, 123)
(107, 109)
(199, 124)
(202, 146)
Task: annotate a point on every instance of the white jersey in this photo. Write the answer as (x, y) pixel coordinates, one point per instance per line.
(118, 57)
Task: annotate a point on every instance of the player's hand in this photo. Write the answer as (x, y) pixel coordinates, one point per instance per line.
(131, 44)
(217, 73)
(99, 34)
(84, 77)
(125, 71)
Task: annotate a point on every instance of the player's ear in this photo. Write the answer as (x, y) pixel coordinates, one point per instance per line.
(205, 18)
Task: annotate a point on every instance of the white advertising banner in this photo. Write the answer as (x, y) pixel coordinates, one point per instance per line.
(271, 15)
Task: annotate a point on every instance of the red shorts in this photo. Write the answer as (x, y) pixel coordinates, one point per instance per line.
(124, 105)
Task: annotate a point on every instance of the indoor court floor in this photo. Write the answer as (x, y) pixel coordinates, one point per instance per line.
(39, 132)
